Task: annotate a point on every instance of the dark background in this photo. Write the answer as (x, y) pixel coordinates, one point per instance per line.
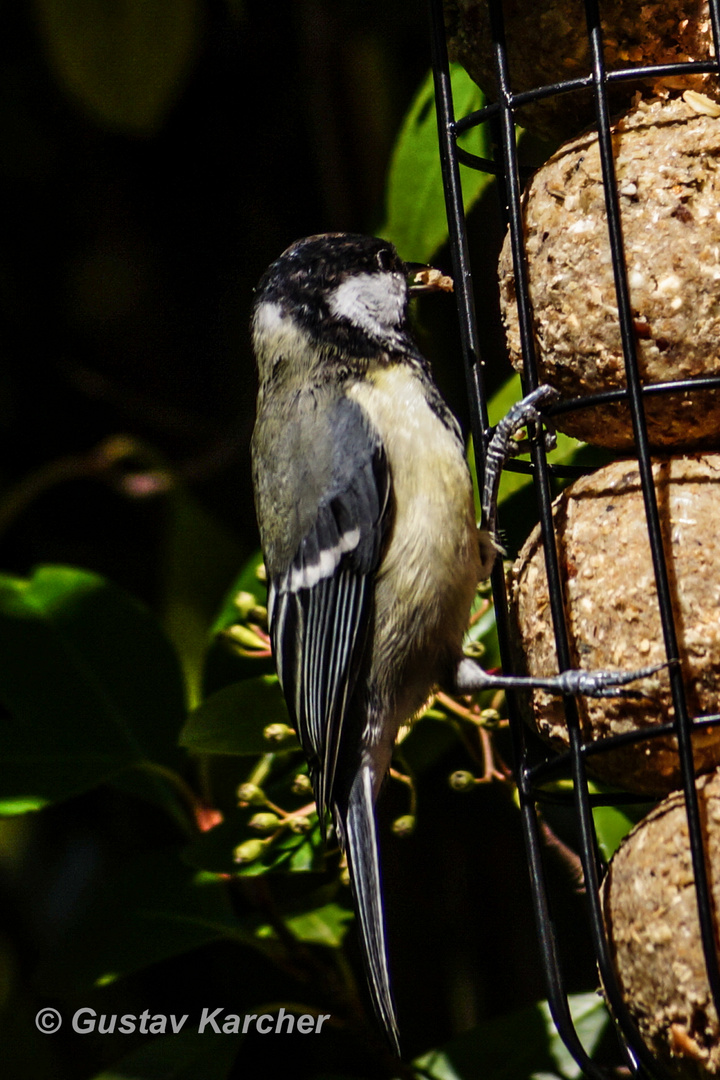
(127, 262)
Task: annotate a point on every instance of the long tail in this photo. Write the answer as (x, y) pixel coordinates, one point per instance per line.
(358, 837)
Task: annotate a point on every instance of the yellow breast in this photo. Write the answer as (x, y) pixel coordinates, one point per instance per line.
(427, 580)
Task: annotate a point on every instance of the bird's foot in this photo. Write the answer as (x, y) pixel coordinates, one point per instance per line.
(470, 678)
(503, 445)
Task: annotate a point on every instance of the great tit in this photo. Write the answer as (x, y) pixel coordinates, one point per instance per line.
(365, 508)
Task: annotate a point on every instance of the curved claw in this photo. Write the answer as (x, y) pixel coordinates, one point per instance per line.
(502, 445)
(526, 411)
(603, 683)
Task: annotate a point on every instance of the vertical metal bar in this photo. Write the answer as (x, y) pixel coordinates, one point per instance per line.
(714, 6)
(682, 720)
(461, 269)
(557, 997)
(466, 311)
(462, 274)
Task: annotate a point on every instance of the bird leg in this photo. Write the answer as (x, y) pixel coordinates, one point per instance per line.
(503, 446)
(470, 678)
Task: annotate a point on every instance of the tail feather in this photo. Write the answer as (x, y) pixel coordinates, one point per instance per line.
(358, 837)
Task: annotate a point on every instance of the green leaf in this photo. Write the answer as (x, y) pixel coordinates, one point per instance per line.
(415, 216)
(14, 807)
(199, 558)
(307, 857)
(326, 925)
(89, 682)
(125, 62)
(590, 1017)
(184, 1056)
(233, 719)
(485, 631)
(518, 1046)
(135, 912)
(428, 740)
(292, 852)
(612, 826)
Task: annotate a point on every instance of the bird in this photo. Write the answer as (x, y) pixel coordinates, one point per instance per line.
(368, 528)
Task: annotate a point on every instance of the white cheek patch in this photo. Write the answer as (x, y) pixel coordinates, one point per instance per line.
(374, 302)
(276, 334)
(268, 318)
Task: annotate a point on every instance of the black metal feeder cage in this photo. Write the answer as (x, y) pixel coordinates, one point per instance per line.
(530, 772)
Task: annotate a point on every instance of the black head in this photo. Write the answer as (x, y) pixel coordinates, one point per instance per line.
(344, 291)
(315, 266)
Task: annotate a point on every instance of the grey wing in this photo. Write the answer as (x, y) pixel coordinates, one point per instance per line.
(321, 605)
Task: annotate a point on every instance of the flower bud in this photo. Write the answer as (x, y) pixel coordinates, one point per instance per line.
(489, 718)
(301, 785)
(462, 780)
(244, 602)
(264, 822)
(248, 851)
(404, 826)
(298, 823)
(251, 793)
(245, 637)
(474, 649)
(277, 733)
